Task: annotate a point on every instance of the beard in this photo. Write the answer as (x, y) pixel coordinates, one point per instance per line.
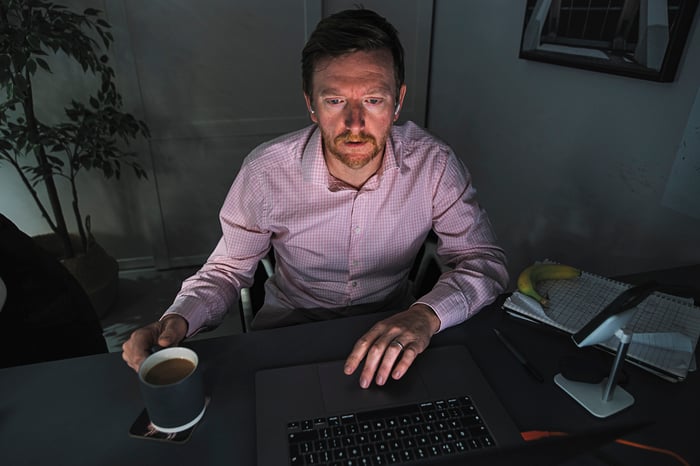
(347, 155)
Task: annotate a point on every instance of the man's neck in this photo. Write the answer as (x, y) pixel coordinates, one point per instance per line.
(355, 177)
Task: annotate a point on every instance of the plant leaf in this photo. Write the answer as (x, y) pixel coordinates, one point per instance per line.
(43, 64)
(31, 66)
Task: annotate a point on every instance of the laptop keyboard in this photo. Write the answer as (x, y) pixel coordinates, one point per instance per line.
(389, 436)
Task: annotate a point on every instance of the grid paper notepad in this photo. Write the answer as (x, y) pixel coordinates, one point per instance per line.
(665, 328)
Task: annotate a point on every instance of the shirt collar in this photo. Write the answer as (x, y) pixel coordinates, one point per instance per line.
(314, 169)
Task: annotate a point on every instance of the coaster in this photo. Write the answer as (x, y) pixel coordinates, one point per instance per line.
(142, 428)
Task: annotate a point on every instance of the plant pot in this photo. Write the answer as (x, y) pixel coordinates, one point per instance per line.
(96, 271)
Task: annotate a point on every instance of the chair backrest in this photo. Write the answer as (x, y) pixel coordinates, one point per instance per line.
(253, 297)
(427, 268)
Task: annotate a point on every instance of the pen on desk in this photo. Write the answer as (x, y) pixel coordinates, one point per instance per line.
(519, 356)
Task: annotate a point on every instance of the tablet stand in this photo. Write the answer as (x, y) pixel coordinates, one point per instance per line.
(605, 398)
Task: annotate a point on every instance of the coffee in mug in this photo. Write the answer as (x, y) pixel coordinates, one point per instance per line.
(173, 389)
(169, 371)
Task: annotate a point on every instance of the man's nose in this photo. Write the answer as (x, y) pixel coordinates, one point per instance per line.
(355, 116)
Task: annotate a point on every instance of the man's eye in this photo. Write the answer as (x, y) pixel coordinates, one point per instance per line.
(334, 101)
(373, 101)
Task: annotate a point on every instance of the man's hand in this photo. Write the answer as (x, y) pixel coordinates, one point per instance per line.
(400, 337)
(168, 331)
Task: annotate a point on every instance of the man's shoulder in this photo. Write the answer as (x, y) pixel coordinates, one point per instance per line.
(281, 149)
(409, 138)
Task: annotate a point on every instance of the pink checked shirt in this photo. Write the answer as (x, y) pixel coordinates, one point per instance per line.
(338, 246)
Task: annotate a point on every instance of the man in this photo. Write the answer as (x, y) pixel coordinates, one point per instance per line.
(346, 205)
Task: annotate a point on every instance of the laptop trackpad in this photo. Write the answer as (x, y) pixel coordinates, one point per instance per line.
(342, 393)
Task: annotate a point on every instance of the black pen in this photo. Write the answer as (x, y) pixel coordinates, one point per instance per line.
(519, 356)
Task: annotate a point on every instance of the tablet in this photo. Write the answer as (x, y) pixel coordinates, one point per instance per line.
(614, 316)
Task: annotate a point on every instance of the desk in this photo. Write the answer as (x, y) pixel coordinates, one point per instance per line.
(78, 411)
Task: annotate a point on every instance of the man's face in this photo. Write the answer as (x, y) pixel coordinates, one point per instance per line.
(354, 104)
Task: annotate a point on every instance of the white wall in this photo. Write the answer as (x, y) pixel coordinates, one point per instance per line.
(571, 165)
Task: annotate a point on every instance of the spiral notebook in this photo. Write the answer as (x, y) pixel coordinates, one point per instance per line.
(665, 328)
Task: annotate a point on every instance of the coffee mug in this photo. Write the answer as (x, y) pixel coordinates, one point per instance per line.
(173, 389)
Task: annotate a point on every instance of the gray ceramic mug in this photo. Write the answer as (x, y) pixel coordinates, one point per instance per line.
(173, 389)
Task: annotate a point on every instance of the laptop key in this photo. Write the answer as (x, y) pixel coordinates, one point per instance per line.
(392, 458)
(420, 453)
(321, 445)
(340, 454)
(460, 446)
(307, 436)
(335, 443)
(386, 413)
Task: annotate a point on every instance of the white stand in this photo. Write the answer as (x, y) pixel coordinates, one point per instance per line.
(605, 398)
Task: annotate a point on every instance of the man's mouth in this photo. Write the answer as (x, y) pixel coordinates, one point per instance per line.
(354, 140)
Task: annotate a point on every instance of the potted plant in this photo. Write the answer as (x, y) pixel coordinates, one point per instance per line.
(47, 151)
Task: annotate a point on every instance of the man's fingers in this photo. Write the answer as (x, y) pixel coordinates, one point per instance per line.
(138, 346)
(376, 355)
(379, 362)
(167, 332)
(172, 331)
(390, 346)
(361, 349)
(408, 355)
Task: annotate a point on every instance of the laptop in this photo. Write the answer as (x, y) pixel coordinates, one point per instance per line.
(441, 412)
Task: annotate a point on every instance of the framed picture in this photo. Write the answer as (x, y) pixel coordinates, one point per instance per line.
(636, 38)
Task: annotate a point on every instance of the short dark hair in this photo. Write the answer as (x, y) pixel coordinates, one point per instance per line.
(351, 31)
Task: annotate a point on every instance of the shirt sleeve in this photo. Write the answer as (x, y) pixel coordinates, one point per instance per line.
(205, 298)
(467, 245)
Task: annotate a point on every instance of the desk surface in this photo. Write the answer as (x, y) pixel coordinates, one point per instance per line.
(78, 411)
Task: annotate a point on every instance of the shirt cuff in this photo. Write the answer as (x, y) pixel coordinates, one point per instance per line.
(451, 308)
(192, 310)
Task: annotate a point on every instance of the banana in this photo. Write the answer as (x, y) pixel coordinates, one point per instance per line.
(528, 278)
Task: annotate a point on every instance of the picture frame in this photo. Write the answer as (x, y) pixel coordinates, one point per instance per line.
(635, 38)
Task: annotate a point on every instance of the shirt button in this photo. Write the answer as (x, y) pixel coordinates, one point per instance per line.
(354, 284)
(357, 229)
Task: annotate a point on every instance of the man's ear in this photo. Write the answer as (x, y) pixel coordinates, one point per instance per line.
(399, 102)
(310, 108)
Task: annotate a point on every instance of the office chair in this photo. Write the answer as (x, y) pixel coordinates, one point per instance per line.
(252, 298)
(427, 267)
(425, 272)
